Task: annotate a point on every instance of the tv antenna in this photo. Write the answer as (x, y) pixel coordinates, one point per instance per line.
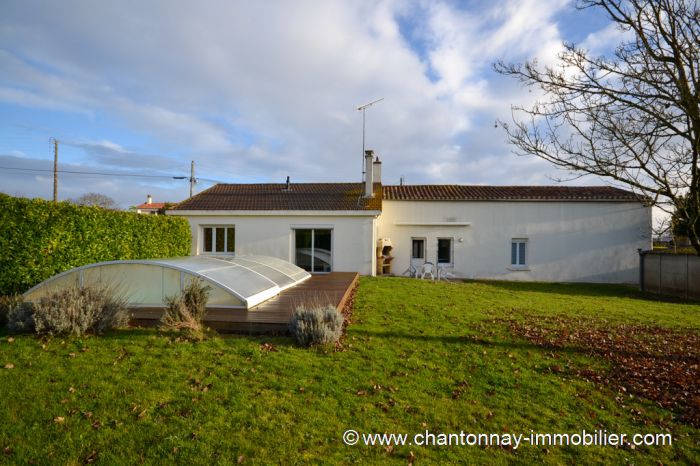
(362, 109)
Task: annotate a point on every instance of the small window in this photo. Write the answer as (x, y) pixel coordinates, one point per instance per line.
(418, 249)
(517, 252)
(444, 251)
(220, 240)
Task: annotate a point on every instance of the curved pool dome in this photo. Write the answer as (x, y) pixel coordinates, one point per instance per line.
(236, 282)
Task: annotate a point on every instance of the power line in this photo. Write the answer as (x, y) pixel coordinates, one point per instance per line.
(176, 177)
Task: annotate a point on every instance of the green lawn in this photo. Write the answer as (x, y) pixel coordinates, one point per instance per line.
(418, 355)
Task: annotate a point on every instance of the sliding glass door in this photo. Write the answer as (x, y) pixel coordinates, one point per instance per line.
(313, 249)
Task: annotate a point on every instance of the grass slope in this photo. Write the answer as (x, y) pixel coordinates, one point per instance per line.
(418, 356)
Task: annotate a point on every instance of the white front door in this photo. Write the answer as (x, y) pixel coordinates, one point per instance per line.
(417, 253)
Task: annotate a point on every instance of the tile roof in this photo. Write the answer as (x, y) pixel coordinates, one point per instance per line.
(152, 205)
(348, 196)
(301, 196)
(506, 193)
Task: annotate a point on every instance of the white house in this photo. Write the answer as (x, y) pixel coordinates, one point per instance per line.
(149, 207)
(545, 233)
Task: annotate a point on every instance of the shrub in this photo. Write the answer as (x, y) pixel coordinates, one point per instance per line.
(316, 325)
(20, 318)
(78, 311)
(186, 311)
(6, 304)
(40, 239)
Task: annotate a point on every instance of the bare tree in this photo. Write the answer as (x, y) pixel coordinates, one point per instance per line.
(96, 199)
(632, 117)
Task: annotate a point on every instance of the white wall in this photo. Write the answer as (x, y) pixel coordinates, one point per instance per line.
(566, 241)
(353, 237)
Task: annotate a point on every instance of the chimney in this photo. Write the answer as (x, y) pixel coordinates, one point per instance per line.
(287, 188)
(149, 199)
(369, 166)
(377, 170)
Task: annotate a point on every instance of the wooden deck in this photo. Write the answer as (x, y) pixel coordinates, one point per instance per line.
(273, 315)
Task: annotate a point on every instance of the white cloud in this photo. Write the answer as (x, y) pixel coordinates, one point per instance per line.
(604, 40)
(256, 91)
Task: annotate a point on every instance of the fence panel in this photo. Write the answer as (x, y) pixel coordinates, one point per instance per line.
(674, 274)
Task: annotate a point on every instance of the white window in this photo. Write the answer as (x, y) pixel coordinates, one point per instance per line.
(417, 248)
(518, 255)
(444, 251)
(219, 239)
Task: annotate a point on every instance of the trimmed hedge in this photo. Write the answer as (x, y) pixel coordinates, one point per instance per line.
(39, 239)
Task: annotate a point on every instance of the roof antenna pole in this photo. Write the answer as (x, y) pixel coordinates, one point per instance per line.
(362, 109)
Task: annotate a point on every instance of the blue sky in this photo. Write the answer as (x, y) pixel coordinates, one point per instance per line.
(256, 91)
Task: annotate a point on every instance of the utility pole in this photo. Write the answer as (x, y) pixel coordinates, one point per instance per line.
(362, 109)
(55, 169)
(193, 180)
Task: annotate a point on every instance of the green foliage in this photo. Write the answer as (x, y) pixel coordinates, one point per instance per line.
(186, 311)
(20, 317)
(39, 239)
(77, 311)
(6, 304)
(316, 325)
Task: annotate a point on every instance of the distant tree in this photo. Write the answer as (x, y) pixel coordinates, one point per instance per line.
(96, 199)
(633, 117)
(679, 221)
(662, 228)
(166, 206)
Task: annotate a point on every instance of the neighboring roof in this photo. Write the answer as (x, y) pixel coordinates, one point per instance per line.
(300, 196)
(452, 192)
(152, 205)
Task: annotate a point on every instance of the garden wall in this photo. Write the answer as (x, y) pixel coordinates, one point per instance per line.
(674, 274)
(39, 239)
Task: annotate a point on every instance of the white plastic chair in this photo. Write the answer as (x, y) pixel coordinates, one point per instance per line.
(428, 269)
(444, 274)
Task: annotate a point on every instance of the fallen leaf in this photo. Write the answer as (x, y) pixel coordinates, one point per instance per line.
(268, 347)
(59, 419)
(92, 457)
(240, 459)
(9, 366)
(657, 363)
(411, 458)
